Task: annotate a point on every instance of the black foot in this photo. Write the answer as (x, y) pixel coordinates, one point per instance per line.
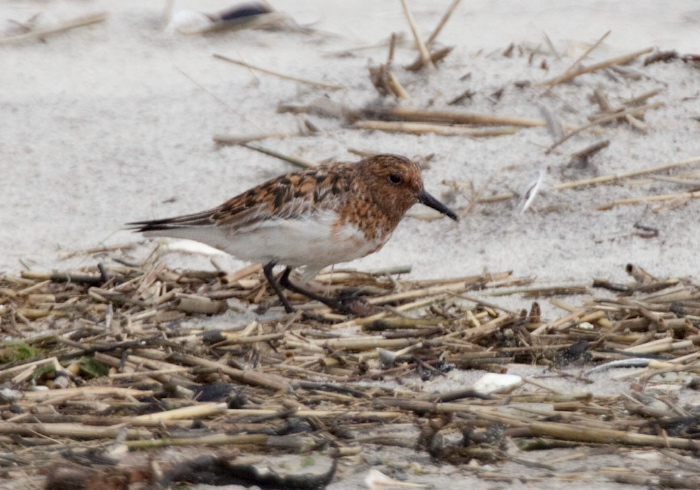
(349, 303)
(355, 305)
(271, 279)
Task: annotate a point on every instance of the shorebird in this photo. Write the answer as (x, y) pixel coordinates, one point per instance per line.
(312, 218)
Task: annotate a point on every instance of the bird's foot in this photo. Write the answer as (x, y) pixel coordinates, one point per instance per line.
(352, 304)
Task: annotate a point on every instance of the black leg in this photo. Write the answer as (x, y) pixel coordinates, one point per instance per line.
(271, 279)
(286, 283)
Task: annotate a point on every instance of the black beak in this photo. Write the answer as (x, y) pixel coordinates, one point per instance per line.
(431, 202)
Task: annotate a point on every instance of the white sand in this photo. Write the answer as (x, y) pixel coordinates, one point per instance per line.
(99, 127)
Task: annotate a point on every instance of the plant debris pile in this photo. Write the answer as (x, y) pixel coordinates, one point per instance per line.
(103, 362)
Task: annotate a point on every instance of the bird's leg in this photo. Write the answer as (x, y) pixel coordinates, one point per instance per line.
(349, 305)
(286, 283)
(271, 279)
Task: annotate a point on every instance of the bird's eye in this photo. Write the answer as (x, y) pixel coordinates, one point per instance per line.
(395, 179)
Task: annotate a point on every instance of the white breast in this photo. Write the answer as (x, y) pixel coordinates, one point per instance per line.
(312, 241)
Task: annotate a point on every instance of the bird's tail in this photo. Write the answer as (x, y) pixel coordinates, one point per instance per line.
(176, 223)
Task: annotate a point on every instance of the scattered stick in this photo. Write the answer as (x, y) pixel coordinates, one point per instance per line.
(383, 77)
(368, 415)
(635, 111)
(313, 373)
(422, 49)
(343, 52)
(440, 54)
(447, 117)
(88, 391)
(550, 44)
(275, 383)
(71, 24)
(580, 158)
(192, 412)
(557, 289)
(587, 152)
(606, 436)
(615, 177)
(423, 128)
(642, 98)
(386, 82)
(77, 431)
(619, 60)
(231, 140)
(392, 48)
(293, 159)
(435, 57)
(279, 75)
(467, 94)
(64, 277)
(578, 61)
(443, 21)
(395, 86)
(663, 178)
(263, 440)
(637, 200)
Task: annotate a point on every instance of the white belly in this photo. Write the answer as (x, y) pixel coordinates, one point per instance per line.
(300, 242)
(312, 242)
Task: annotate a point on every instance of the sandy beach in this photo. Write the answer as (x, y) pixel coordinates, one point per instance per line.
(114, 122)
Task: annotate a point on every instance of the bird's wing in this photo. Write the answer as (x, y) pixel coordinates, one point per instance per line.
(288, 197)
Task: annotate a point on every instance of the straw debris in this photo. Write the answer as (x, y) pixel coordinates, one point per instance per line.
(121, 365)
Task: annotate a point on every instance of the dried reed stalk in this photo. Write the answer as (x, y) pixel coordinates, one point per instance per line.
(604, 119)
(279, 75)
(567, 76)
(66, 26)
(293, 159)
(423, 128)
(443, 21)
(659, 198)
(422, 49)
(606, 436)
(615, 177)
(309, 372)
(447, 117)
(231, 140)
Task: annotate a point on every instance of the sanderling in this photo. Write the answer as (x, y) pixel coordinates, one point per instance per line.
(313, 218)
